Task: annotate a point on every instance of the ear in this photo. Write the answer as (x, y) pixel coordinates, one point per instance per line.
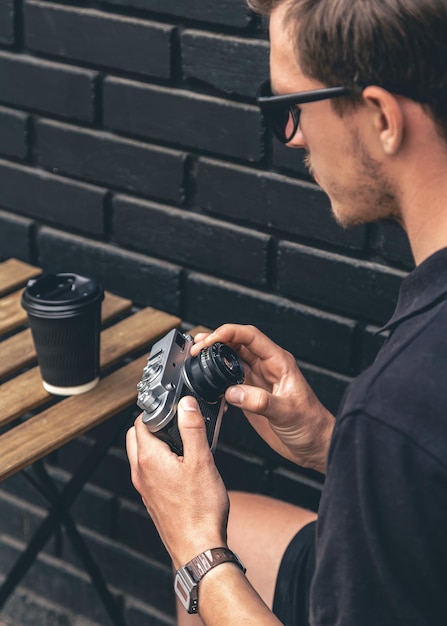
(387, 117)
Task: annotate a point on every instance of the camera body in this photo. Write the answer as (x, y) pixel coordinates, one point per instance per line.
(171, 373)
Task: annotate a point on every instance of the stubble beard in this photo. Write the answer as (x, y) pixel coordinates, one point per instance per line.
(370, 199)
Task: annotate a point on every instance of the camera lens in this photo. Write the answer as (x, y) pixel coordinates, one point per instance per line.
(213, 370)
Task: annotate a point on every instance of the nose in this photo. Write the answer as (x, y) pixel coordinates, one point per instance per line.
(297, 140)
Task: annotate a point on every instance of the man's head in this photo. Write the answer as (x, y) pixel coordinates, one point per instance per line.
(400, 45)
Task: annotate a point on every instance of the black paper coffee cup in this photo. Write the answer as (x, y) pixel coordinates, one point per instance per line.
(64, 313)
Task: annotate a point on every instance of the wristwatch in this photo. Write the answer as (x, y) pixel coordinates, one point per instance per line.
(187, 578)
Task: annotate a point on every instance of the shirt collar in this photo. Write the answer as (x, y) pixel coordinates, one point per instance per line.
(421, 289)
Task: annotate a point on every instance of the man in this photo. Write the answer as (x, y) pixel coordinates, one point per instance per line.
(377, 144)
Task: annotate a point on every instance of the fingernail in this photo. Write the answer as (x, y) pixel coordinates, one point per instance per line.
(188, 403)
(235, 395)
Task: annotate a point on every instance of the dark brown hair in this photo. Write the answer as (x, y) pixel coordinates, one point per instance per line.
(398, 44)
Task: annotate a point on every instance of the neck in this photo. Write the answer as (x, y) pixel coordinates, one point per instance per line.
(424, 212)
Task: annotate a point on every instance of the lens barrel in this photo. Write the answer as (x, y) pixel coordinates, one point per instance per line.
(213, 370)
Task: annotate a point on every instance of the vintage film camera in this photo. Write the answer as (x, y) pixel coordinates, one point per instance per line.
(171, 373)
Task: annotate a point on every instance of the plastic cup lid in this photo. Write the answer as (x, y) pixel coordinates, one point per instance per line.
(64, 293)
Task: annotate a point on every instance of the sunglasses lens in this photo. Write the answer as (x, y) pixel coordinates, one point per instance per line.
(289, 124)
(281, 119)
(283, 123)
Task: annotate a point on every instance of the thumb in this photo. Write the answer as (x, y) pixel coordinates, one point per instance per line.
(192, 428)
(253, 399)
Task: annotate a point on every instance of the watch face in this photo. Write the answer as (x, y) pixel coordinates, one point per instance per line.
(186, 590)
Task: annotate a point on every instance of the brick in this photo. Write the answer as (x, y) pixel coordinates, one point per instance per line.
(100, 39)
(112, 469)
(18, 487)
(225, 12)
(7, 10)
(129, 571)
(51, 579)
(254, 467)
(54, 199)
(240, 472)
(353, 287)
(139, 614)
(296, 489)
(56, 581)
(135, 529)
(238, 436)
(182, 118)
(328, 386)
(19, 519)
(191, 240)
(101, 157)
(47, 87)
(16, 236)
(25, 608)
(310, 335)
(147, 281)
(13, 133)
(271, 200)
(93, 508)
(231, 64)
(390, 241)
(112, 474)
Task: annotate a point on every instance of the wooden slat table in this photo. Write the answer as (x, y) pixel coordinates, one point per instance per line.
(35, 423)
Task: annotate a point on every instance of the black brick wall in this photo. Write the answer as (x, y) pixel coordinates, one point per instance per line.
(131, 148)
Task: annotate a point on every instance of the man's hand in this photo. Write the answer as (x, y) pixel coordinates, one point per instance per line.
(276, 398)
(185, 496)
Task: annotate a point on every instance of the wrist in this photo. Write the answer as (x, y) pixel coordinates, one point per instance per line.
(190, 549)
(188, 577)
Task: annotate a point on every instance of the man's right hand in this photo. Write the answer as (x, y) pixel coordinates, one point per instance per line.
(276, 398)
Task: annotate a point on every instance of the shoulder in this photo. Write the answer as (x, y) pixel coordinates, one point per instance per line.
(405, 390)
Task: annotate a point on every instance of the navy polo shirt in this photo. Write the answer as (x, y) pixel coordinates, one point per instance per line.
(382, 528)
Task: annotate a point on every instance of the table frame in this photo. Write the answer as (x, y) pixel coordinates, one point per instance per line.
(36, 423)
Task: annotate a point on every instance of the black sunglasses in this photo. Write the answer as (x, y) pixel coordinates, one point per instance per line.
(278, 110)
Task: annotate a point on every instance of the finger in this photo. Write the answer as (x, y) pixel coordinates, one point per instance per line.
(196, 348)
(249, 337)
(148, 445)
(132, 455)
(142, 433)
(199, 343)
(252, 399)
(262, 410)
(192, 429)
(131, 446)
(200, 337)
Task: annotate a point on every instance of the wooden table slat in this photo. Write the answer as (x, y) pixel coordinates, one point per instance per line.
(134, 333)
(14, 273)
(54, 427)
(16, 353)
(21, 395)
(25, 392)
(112, 306)
(12, 315)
